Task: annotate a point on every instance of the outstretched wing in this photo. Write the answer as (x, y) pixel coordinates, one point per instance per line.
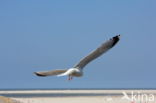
(99, 51)
(50, 73)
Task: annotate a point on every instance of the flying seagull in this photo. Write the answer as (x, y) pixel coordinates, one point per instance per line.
(77, 70)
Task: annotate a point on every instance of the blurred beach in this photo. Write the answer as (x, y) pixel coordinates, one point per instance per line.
(79, 96)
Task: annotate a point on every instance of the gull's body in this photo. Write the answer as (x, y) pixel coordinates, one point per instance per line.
(77, 70)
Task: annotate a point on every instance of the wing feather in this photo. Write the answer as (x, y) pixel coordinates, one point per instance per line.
(50, 73)
(98, 52)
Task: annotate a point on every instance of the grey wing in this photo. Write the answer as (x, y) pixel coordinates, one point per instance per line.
(99, 51)
(50, 73)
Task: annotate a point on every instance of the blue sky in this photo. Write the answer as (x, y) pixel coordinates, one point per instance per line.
(40, 35)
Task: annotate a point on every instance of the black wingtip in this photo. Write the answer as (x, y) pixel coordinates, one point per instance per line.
(38, 74)
(116, 39)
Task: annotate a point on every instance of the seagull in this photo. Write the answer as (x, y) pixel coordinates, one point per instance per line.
(77, 70)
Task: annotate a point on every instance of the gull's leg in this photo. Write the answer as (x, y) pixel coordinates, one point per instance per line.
(69, 77)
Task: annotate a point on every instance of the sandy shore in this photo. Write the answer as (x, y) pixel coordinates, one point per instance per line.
(83, 96)
(7, 100)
